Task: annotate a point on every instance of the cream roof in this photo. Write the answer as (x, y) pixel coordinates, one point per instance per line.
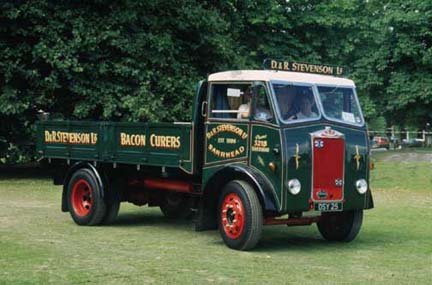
(267, 75)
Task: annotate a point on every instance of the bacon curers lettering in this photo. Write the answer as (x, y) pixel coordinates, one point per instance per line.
(132, 140)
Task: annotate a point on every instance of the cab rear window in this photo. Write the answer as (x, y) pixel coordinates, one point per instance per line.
(230, 101)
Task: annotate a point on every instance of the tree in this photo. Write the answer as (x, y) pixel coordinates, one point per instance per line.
(119, 60)
(134, 60)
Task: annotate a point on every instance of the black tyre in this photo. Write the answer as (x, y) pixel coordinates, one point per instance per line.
(176, 206)
(240, 216)
(85, 203)
(112, 201)
(342, 226)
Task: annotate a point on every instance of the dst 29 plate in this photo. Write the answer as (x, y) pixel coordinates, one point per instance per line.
(329, 206)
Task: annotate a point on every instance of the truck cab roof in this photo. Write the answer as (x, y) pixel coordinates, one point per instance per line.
(273, 75)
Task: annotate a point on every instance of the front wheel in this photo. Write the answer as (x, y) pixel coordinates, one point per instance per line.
(240, 216)
(85, 203)
(341, 226)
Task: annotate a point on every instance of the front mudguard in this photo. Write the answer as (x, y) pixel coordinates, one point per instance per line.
(206, 218)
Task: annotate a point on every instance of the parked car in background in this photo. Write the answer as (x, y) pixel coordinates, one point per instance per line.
(380, 142)
(412, 143)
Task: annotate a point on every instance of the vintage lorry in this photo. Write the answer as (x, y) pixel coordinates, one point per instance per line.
(283, 145)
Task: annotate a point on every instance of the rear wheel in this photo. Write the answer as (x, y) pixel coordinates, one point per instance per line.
(240, 216)
(85, 203)
(176, 206)
(342, 226)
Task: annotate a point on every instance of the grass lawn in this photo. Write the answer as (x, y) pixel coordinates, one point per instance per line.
(39, 244)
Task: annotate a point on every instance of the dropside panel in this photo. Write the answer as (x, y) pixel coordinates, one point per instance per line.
(154, 144)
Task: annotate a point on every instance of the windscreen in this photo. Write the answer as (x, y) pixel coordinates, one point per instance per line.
(295, 102)
(340, 104)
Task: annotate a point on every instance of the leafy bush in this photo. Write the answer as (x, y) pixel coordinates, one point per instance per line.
(140, 60)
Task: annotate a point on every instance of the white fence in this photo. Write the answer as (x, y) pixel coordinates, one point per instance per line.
(405, 137)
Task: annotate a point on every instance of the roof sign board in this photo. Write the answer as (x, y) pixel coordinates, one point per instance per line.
(284, 65)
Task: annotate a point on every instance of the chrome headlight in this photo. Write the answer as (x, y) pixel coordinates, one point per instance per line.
(294, 186)
(361, 186)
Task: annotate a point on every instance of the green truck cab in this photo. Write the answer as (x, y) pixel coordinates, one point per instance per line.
(265, 147)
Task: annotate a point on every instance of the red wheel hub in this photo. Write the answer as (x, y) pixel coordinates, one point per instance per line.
(232, 215)
(82, 199)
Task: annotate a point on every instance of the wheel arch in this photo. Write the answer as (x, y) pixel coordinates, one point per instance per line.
(212, 189)
(70, 171)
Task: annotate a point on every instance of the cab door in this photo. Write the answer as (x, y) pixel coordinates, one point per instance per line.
(266, 145)
(227, 124)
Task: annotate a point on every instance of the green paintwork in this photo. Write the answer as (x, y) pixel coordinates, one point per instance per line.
(108, 148)
(269, 136)
(209, 145)
(212, 163)
(226, 142)
(266, 148)
(301, 135)
(279, 145)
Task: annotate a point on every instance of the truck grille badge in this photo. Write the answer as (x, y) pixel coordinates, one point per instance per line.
(339, 182)
(319, 144)
(322, 194)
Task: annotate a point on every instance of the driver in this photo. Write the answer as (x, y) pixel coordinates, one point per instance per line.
(306, 104)
(287, 109)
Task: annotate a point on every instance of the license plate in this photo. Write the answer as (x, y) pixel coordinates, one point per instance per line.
(328, 206)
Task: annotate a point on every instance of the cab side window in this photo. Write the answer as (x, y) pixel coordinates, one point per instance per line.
(262, 105)
(230, 101)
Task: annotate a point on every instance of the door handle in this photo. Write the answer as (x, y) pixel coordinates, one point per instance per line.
(204, 108)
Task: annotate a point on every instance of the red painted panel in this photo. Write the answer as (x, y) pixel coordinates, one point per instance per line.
(163, 184)
(328, 168)
(178, 186)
